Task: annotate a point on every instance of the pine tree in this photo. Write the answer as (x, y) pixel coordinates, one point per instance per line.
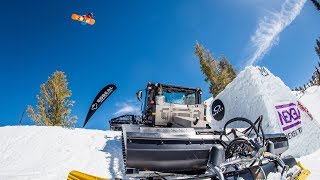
(311, 82)
(53, 108)
(316, 3)
(317, 77)
(313, 79)
(219, 72)
(317, 48)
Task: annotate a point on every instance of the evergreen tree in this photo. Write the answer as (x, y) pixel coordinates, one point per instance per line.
(316, 3)
(317, 77)
(317, 48)
(219, 72)
(314, 79)
(53, 108)
(311, 82)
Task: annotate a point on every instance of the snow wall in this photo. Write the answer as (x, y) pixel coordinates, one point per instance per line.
(311, 99)
(254, 92)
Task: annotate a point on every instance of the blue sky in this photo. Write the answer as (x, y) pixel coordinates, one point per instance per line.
(134, 42)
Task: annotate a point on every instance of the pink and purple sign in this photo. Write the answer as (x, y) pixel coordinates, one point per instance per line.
(289, 116)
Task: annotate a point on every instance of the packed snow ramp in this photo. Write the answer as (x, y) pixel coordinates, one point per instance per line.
(256, 91)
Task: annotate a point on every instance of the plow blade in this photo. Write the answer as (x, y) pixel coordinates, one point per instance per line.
(304, 173)
(76, 175)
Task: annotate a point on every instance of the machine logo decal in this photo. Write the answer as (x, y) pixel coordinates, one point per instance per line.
(217, 109)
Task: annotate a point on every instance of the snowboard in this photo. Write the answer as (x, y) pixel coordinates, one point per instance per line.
(82, 19)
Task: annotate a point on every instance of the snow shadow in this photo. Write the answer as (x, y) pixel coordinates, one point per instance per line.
(113, 149)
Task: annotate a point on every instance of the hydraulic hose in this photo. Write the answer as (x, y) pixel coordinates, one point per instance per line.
(216, 171)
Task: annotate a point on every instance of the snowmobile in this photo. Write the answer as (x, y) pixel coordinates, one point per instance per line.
(234, 153)
(229, 154)
(173, 140)
(174, 137)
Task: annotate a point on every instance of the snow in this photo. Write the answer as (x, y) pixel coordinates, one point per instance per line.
(311, 99)
(37, 152)
(312, 162)
(298, 94)
(31, 152)
(256, 91)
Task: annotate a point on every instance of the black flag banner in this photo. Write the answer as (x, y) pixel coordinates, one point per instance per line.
(99, 99)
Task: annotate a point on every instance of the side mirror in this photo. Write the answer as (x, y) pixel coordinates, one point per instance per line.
(139, 95)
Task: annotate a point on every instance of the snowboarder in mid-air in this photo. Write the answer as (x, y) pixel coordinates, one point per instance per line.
(88, 18)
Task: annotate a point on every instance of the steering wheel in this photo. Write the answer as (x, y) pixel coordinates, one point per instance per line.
(245, 132)
(241, 146)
